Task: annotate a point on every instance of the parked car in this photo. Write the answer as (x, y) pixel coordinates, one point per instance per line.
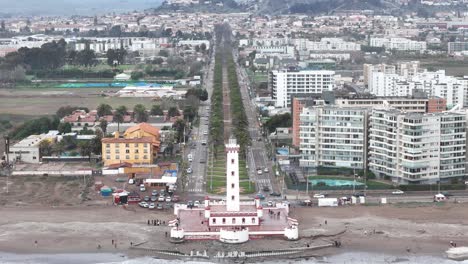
(275, 194)
(161, 198)
(168, 199)
(259, 171)
(196, 204)
(359, 194)
(146, 199)
(159, 206)
(205, 132)
(153, 198)
(189, 170)
(143, 204)
(175, 198)
(151, 206)
(142, 188)
(260, 196)
(319, 195)
(203, 142)
(398, 192)
(270, 204)
(154, 193)
(265, 170)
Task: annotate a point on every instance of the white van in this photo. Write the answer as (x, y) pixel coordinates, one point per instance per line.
(190, 157)
(439, 197)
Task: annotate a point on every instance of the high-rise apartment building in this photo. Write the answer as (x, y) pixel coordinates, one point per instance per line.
(286, 83)
(332, 136)
(417, 148)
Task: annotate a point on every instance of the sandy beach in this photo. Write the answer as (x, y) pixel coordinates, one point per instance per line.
(390, 229)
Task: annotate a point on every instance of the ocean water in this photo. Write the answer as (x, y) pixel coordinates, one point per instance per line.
(102, 258)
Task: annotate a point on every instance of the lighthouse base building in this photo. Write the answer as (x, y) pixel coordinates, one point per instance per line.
(231, 220)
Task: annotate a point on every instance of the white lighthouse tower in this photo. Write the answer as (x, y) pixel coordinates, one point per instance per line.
(232, 175)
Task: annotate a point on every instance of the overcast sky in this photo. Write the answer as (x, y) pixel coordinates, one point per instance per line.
(71, 7)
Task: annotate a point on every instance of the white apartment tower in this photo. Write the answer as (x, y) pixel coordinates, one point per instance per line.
(285, 83)
(333, 136)
(417, 148)
(232, 176)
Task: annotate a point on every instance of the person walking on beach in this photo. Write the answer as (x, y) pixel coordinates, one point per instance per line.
(35, 243)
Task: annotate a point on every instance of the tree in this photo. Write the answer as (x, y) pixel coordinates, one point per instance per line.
(103, 125)
(86, 149)
(203, 47)
(45, 148)
(96, 143)
(69, 142)
(111, 56)
(104, 109)
(68, 110)
(86, 57)
(189, 113)
(179, 127)
(64, 128)
(156, 110)
(136, 75)
(140, 113)
(122, 110)
(163, 53)
(157, 61)
(58, 148)
(173, 111)
(283, 120)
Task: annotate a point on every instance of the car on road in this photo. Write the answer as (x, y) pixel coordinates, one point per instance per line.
(161, 198)
(143, 204)
(398, 192)
(146, 199)
(168, 199)
(275, 194)
(266, 188)
(151, 206)
(189, 170)
(142, 188)
(270, 204)
(205, 132)
(190, 157)
(203, 142)
(190, 204)
(260, 196)
(196, 204)
(259, 139)
(159, 206)
(319, 195)
(265, 170)
(154, 193)
(359, 194)
(259, 171)
(306, 203)
(202, 161)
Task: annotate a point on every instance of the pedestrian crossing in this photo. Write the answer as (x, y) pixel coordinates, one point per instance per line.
(263, 181)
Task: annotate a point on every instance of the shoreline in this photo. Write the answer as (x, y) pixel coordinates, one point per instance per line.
(424, 231)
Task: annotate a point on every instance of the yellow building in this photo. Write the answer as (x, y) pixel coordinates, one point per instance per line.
(139, 145)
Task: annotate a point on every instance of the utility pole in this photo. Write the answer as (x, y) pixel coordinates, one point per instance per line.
(8, 167)
(354, 181)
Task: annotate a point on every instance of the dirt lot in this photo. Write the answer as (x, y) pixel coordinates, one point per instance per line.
(47, 101)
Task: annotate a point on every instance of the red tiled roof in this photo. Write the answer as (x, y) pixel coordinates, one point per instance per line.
(145, 127)
(128, 140)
